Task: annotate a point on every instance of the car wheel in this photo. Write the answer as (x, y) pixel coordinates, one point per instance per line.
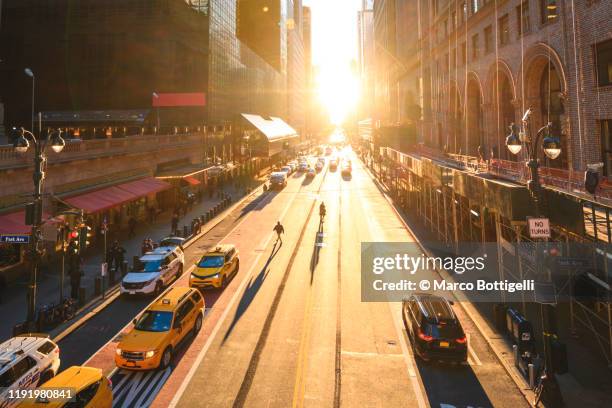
(197, 325)
(159, 287)
(44, 377)
(166, 358)
(223, 281)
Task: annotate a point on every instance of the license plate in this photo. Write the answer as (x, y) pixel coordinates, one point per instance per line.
(444, 344)
(130, 363)
(132, 292)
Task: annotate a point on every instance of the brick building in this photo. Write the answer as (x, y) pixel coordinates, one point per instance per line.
(480, 64)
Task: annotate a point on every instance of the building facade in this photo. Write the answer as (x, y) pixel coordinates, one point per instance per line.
(480, 64)
(365, 44)
(296, 65)
(83, 58)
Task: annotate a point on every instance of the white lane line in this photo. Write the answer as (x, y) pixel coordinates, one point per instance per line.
(153, 394)
(471, 351)
(181, 389)
(117, 387)
(133, 387)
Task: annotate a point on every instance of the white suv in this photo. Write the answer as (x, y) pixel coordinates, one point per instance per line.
(26, 361)
(157, 269)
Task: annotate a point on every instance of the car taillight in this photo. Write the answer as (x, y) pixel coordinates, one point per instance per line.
(461, 340)
(425, 337)
(110, 383)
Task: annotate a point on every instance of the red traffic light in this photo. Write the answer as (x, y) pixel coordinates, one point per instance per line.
(74, 234)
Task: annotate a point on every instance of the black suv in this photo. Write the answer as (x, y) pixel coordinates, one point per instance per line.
(433, 328)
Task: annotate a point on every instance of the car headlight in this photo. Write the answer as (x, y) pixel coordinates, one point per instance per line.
(150, 354)
(118, 351)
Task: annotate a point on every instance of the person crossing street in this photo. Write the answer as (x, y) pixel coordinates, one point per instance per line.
(279, 229)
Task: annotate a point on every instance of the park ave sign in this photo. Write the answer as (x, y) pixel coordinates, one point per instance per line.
(539, 227)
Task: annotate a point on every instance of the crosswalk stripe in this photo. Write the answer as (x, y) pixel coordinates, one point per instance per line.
(157, 387)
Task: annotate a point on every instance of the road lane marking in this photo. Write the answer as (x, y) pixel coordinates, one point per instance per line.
(181, 389)
(471, 350)
(158, 387)
(300, 381)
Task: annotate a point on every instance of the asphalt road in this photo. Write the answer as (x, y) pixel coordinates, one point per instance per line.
(291, 329)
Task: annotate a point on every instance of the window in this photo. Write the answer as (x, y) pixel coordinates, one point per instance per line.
(196, 297)
(6, 379)
(84, 396)
(522, 18)
(488, 39)
(548, 11)
(603, 59)
(504, 30)
(22, 367)
(474, 47)
(606, 146)
(46, 348)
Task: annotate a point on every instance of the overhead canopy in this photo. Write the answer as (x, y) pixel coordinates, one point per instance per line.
(273, 128)
(179, 99)
(14, 223)
(108, 197)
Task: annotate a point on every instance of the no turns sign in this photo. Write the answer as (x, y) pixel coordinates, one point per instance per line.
(538, 227)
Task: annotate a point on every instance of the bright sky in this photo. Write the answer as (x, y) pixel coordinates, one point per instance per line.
(334, 46)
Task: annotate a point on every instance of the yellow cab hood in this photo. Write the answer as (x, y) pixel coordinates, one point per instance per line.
(206, 272)
(139, 340)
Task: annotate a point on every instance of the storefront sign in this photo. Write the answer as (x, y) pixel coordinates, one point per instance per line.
(15, 239)
(539, 227)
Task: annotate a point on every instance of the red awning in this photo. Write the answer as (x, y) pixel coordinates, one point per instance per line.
(192, 180)
(14, 223)
(108, 197)
(179, 99)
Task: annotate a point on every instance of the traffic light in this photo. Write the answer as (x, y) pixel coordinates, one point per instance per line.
(84, 234)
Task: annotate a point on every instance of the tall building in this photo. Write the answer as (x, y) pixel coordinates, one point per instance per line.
(365, 43)
(385, 81)
(296, 71)
(308, 70)
(479, 65)
(84, 59)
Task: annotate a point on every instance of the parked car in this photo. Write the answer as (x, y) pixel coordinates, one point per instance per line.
(157, 270)
(433, 328)
(90, 387)
(216, 267)
(278, 180)
(26, 362)
(151, 343)
(172, 241)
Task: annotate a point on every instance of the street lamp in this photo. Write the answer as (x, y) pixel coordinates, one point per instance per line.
(156, 96)
(34, 210)
(30, 73)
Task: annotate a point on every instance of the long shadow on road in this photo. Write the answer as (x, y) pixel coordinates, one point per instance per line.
(316, 249)
(251, 290)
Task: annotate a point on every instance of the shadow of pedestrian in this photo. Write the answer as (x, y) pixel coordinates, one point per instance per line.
(318, 244)
(251, 290)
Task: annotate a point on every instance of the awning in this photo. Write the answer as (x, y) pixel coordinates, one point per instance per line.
(191, 180)
(108, 197)
(130, 116)
(181, 171)
(14, 223)
(273, 128)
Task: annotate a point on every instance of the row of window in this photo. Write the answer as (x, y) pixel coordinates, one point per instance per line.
(548, 13)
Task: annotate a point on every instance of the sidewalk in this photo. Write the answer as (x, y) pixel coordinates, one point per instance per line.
(593, 387)
(13, 308)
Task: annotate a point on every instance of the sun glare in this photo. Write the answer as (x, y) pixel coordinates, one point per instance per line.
(338, 90)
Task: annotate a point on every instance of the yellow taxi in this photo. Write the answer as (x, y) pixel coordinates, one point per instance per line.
(155, 334)
(216, 267)
(90, 387)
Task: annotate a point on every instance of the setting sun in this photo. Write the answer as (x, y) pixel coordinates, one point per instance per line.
(338, 91)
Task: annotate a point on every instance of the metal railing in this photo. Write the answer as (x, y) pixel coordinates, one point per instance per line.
(83, 149)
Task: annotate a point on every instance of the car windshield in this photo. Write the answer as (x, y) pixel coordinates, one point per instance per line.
(154, 321)
(151, 266)
(211, 262)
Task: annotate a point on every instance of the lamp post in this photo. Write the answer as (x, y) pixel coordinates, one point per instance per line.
(34, 210)
(156, 96)
(551, 146)
(30, 73)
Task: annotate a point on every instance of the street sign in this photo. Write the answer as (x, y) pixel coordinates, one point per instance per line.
(15, 239)
(539, 227)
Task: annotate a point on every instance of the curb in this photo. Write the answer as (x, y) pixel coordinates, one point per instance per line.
(114, 293)
(520, 383)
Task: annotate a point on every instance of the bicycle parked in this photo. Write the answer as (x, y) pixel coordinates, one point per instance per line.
(50, 315)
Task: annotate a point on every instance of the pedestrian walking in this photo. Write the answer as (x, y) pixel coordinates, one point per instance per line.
(117, 255)
(147, 246)
(279, 229)
(175, 221)
(132, 226)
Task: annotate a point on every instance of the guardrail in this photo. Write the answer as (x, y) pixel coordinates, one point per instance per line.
(82, 149)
